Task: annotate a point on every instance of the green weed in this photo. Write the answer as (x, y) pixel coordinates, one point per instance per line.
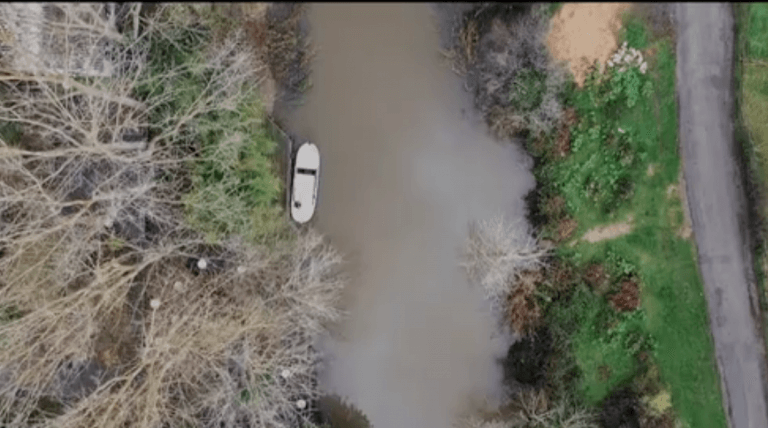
(235, 186)
(604, 155)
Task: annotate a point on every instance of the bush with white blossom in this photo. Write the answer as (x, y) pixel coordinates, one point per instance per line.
(627, 57)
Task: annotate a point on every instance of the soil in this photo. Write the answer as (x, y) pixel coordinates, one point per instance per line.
(628, 298)
(115, 345)
(583, 33)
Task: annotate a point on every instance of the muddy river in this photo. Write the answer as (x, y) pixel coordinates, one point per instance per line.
(404, 171)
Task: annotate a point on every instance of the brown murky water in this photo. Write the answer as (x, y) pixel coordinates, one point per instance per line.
(403, 174)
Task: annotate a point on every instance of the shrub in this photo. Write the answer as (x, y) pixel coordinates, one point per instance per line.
(95, 240)
(501, 52)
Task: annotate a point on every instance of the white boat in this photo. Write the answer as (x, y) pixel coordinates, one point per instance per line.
(306, 176)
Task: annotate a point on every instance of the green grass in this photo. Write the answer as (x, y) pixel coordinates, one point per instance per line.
(601, 339)
(757, 30)
(604, 179)
(751, 130)
(753, 50)
(755, 109)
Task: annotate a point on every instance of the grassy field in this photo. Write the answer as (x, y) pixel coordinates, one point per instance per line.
(751, 129)
(623, 162)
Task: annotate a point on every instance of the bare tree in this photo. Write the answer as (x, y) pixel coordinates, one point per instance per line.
(95, 249)
(497, 254)
(532, 409)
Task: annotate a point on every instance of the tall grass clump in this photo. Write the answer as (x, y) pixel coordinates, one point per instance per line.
(127, 299)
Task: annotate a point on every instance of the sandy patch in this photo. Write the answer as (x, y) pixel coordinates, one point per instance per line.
(582, 33)
(611, 231)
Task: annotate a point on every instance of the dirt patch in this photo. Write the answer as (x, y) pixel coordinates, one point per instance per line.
(628, 298)
(565, 228)
(678, 191)
(612, 231)
(583, 33)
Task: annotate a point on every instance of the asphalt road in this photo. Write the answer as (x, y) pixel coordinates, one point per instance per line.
(717, 201)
